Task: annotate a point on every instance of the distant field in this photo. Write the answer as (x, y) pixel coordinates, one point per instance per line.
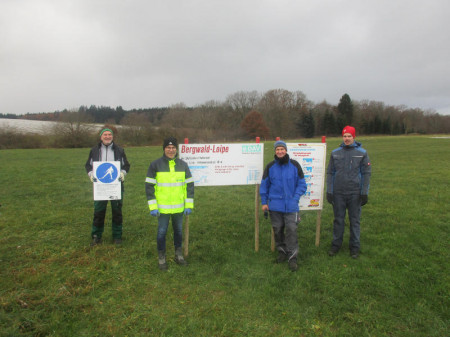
(30, 126)
(52, 284)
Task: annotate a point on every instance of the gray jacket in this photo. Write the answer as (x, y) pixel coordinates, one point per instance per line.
(349, 170)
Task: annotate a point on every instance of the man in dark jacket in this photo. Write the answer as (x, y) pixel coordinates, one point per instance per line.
(348, 180)
(106, 150)
(282, 185)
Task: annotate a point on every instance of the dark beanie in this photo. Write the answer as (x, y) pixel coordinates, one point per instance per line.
(170, 141)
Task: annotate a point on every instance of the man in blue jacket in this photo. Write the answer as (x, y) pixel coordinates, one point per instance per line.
(348, 180)
(282, 185)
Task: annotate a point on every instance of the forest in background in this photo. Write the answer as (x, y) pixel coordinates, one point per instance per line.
(243, 115)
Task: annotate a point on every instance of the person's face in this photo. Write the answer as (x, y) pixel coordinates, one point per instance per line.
(280, 152)
(106, 138)
(348, 139)
(170, 151)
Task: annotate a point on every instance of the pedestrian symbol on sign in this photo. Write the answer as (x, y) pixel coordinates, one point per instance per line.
(106, 173)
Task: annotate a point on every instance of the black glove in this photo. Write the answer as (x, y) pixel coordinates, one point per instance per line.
(330, 198)
(364, 198)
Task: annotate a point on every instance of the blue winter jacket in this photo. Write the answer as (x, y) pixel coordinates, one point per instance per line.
(282, 185)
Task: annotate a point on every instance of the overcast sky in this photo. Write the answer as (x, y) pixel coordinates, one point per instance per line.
(57, 54)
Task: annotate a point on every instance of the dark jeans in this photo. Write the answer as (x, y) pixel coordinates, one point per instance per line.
(341, 204)
(285, 231)
(163, 224)
(98, 225)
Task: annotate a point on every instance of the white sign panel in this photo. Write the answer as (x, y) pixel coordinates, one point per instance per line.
(312, 158)
(224, 164)
(107, 186)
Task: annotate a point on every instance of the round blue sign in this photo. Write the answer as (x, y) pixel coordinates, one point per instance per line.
(106, 173)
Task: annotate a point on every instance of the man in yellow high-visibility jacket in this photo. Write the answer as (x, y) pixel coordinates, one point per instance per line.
(170, 194)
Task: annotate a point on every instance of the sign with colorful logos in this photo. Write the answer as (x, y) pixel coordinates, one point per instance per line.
(312, 158)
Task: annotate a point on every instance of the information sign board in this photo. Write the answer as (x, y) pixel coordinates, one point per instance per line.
(224, 164)
(311, 156)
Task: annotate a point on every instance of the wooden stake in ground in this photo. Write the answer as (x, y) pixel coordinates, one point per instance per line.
(186, 236)
(257, 218)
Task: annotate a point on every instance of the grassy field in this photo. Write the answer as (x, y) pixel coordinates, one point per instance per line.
(52, 284)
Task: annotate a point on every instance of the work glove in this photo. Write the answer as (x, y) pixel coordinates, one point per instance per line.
(93, 179)
(155, 213)
(122, 177)
(330, 198)
(187, 211)
(364, 198)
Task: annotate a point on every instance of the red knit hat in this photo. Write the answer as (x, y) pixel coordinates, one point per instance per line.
(349, 129)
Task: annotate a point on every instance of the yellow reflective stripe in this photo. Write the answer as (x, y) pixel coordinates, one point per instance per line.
(171, 184)
(171, 206)
(150, 180)
(151, 202)
(189, 180)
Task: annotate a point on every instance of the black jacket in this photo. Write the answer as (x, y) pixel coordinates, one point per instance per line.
(119, 155)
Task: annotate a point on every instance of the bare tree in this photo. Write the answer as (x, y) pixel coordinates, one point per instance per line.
(136, 129)
(74, 129)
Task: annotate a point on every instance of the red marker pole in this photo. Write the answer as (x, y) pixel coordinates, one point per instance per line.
(277, 139)
(324, 139)
(186, 141)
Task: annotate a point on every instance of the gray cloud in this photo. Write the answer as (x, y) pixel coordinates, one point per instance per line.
(137, 54)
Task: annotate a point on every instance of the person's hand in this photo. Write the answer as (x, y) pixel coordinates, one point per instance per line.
(187, 211)
(364, 198)
(122, 177)
(154, 213)
(330, 198)
(265, 208)
(93, 179)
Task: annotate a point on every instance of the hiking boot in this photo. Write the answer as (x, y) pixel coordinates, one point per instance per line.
(179, 259)
(162, 264)
(354, 253)
(333, 251)
(117, 242)
(96, 241)
(281, 257)
(293, 266)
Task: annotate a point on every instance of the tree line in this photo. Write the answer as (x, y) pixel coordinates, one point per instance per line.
(242, 116)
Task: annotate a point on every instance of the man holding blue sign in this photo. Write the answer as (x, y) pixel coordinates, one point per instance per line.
(107, 151)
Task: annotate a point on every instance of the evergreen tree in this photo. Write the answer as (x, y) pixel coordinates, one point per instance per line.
(345, 111)
(306, 125)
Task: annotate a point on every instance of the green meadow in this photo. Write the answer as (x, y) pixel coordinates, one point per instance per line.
(53, 284)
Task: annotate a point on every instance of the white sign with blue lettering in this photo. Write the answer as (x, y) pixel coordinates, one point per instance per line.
(107, 186)
(224, 164)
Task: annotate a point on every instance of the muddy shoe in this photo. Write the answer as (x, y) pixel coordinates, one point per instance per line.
(293, 266)
(354, 253)
(179, 259)
(162, 264)
(281, 257)
(96, 241)
(333, 251)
